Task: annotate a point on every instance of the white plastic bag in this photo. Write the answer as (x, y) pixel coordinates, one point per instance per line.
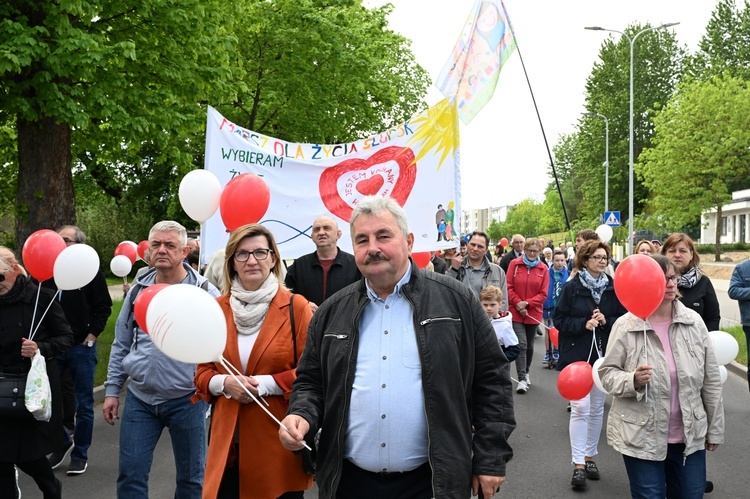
(38, 396)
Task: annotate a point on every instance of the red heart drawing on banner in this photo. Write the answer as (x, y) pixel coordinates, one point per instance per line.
(370, 186)
(367, 177)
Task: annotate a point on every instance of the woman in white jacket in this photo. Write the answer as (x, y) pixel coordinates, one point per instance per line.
(667, 408)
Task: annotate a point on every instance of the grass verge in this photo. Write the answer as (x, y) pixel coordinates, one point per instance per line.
(739, 335)
(104, 344)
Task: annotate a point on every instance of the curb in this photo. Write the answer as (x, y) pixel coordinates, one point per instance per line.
(738, 369)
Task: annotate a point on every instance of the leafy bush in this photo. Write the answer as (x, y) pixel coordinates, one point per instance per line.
(710, 248)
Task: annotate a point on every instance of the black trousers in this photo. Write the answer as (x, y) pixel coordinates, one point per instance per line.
(357, 483)
(230, 485)
(39, 470)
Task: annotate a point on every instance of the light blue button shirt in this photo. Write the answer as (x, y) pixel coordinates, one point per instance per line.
(387, 427)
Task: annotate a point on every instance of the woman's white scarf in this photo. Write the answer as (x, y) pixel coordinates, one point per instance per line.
(249, 308)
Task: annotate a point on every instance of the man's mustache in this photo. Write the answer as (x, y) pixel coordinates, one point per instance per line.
(377, 257)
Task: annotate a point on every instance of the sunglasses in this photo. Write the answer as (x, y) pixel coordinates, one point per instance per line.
(2, 277)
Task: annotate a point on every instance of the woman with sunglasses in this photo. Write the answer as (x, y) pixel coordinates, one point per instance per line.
(245, 457)
(24, 441)
(667, 409)
(586, 309)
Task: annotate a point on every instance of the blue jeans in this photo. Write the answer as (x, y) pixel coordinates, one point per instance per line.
(669, 478)
(80, 361)
(747, 339)
(140, 430)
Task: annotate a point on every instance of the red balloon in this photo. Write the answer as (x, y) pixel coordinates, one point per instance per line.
(244, 200)
(142, 247)
(640, 285)
(127, 249)
(421, 259)
(504, 242)
(575, 381)
(142, 301)
(554, 336)
(40, 252)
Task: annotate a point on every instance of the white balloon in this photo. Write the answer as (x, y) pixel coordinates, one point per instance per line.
(187, 324)
(725, 346)
(604, 232)
(595, 373)
(723, 374)
(75, 267)
(120, 265)
(200, 192)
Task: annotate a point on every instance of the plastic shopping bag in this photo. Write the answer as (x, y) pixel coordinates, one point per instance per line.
(38, 393)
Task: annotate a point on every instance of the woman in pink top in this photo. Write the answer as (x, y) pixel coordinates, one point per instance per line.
(667, 408)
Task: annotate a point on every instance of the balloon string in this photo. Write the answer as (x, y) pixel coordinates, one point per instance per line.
(33, 316)
(225, 363)
(593, 342)
(237, 371)
(33, 333)
(541, 324)
(645, 352)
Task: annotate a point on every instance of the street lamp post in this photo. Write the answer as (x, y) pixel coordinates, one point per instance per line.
(606, 157)
(630, 154)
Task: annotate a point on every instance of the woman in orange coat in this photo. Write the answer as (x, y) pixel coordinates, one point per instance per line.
(245, 458)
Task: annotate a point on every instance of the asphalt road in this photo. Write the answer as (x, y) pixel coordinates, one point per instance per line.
(541, 466)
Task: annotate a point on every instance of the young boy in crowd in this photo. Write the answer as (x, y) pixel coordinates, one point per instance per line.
(558, 275)
(491, 297)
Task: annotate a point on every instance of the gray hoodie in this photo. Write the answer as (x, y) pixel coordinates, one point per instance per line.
(154, 377)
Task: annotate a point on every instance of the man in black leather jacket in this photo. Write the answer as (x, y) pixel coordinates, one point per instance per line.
(463, 392)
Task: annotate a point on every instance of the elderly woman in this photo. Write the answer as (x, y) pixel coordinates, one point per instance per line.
(24, 441)
(586, 309)
(528, 283)
(245, 457)
(697, 292)
(667, 408)
(645, 247)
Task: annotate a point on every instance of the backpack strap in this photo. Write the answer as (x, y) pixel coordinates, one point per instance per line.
(294, 331)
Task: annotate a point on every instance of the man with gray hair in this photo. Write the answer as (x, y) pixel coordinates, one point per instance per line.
(160, 389)
(397, 370)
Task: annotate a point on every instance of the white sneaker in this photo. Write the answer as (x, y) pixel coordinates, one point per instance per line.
(528, 379)
(522, 387)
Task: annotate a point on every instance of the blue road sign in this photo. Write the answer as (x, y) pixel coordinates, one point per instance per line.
(612, 218)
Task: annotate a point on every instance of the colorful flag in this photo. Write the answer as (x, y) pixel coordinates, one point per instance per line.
(470, 74)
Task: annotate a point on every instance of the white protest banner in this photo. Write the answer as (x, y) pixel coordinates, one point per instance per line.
(416, 163)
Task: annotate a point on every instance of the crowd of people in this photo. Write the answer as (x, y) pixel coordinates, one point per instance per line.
(361, 354)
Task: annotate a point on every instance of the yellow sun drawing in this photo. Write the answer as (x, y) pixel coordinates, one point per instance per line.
(438, 129)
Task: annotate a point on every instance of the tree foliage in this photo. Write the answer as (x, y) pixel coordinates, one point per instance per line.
(323, 71)
(658, 65)
(700, 150)
(122, 89)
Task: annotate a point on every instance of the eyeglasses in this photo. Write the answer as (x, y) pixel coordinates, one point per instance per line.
(532, 251)
(598, 258)
(673, 278)
(259, 254)
(2, 277)
(69, 240)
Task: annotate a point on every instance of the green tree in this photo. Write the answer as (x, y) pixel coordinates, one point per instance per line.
(523, 218)
(725, 47)
(700, 149)
(658, 65)
(323, 71)
(121, 90)
(134, 68)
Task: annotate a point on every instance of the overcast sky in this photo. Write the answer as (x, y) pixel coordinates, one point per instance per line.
(503, 156)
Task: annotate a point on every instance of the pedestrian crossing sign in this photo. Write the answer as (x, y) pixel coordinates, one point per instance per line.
(612, 218)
